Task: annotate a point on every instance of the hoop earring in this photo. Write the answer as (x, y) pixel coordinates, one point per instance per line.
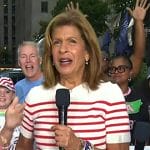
(129, 79)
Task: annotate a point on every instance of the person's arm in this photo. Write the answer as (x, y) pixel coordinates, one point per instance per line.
(5, 137)
(13, 119)
(139, 14)
(24, 143)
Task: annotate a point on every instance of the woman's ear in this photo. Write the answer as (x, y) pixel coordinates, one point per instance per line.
(87, 57)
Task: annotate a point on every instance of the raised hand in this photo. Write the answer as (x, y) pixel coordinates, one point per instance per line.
(140, 10)
(14, 114)
(71, 6)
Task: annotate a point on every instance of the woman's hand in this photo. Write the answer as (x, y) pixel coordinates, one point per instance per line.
(140, 10)
(65, 137)
(71, 6)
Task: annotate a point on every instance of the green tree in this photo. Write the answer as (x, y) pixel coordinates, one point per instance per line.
(119, 5)
(97, 12)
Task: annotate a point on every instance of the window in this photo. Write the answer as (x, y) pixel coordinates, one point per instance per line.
(5, 9)
(6, 31)
(5, 20)
(13, 2)
(14, 40)
(5, 40)
(13, 20)
(13, 9)
(5, 5)
(13, 30)
(44, 7)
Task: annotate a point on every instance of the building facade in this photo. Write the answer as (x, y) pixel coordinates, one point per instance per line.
(20, 21)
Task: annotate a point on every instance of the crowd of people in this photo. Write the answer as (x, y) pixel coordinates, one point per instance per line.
(104, 110)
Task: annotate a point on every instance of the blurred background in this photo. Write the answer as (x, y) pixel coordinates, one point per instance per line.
(27, 19)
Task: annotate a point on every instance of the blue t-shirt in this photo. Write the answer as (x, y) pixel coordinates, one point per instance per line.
(23, 87)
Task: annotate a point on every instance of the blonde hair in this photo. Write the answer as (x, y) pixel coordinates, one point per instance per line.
(93, 72)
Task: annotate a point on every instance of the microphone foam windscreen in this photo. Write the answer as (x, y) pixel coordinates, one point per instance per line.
(62, 98)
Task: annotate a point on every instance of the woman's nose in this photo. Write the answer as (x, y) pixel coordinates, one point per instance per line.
(63, 47)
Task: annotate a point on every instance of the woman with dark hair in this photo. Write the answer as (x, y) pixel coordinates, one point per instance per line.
(121, 73)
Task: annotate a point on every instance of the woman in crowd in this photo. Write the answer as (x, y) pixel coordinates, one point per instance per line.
(121, 73)
(137, 56)
(97, 117)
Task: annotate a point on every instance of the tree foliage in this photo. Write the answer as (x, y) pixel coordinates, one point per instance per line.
(120, 5)
(96, 11)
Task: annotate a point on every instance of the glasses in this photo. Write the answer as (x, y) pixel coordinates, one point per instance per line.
(119, 69)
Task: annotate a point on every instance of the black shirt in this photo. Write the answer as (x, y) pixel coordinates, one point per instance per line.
(138, 112)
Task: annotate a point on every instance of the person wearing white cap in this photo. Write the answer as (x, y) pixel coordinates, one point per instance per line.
(11, 113)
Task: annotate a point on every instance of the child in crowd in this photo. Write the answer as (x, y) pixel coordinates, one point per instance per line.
(10, 114)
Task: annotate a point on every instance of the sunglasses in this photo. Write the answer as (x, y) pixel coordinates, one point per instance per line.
(119, 69)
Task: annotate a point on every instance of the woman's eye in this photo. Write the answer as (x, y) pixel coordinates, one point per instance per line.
(56, 42)
(113, 69)
(8, 91)
(72, 41)
(120, 68)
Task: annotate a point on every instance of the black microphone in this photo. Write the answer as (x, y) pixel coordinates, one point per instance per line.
(62, 103)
